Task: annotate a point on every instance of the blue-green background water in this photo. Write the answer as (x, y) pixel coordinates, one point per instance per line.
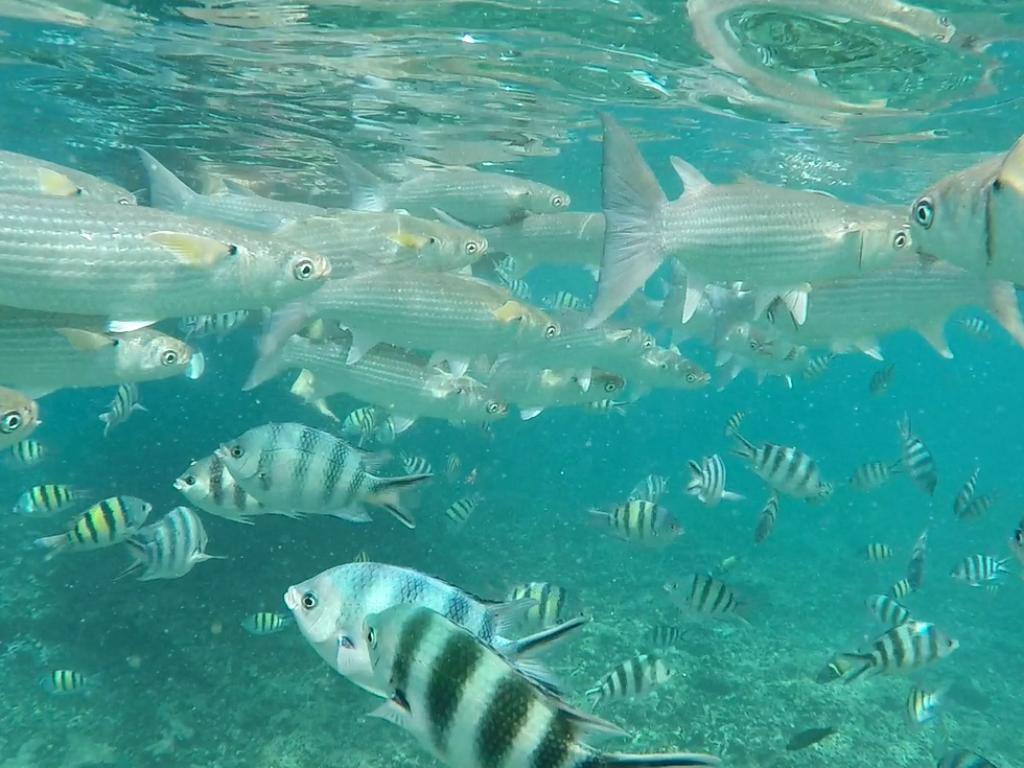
(171, 666)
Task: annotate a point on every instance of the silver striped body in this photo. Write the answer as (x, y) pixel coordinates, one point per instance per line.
(650, 488)
(817, 366)
(471, 708)
(25, 175)
(300, 469)
(552, 604)
(554, 238)
(361, 423)
(923, 705)
(64, 681)
(966, 493)
(640, 521)
(665, 635)
(460, 510)
(877, 551)
(563, 301)
(917, 460)
(124, 404)
(978, 506)
(633, 677)
(265, 623)
(902, 649)
(871, 476)
(112, 263)
(48, 499)
(666, 368)
(394, 379)
(785, 469)
(19, 415)
(38, 358)
(170, 547)
(363, 241)
(208, 485)
(342, 597)
(734, 422)
(707, 481)
(887, 610)
(901, 589)
(980, 570)
(880, 379)
(705, 595)
(767, 519)
(26, 453)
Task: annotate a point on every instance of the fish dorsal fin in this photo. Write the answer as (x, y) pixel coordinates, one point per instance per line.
(193, 250)
(693, 180)
(85, 341)
(1011, 172)
(934, 334)
(57, 184)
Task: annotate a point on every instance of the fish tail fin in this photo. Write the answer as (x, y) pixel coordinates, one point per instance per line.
(137, 550)
(387, 494)
(53, 544)
(857, 664)
(278, 329)
(367, 191)
(632, 201)
(166, 191)
(743, 448)
(1002, 303)
(666, 760)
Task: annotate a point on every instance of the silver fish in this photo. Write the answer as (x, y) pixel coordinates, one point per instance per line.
(64, 681)
(551, 604)
(533, 390)
(918, 462)
(124, 404)
(887, 610)
(266, 623)
(966, 493)
(104, 524)
(786, 469)
(48, 499)
(979, 570)
(19, 416)
(633, 677)
(208, 485)
(301, 469)
(555, 238)
(766, 522)
(138, 265)
(219, 324)
(705, 595)
(902, 649)
(872, 475)
(24, 175)
(778, 240)
(170, 547)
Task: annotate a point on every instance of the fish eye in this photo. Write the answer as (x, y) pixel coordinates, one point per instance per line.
(190, 480)
(304, 269)
(924, 212)
(691, 377)
(900, 240)
(610, 386)
(648, 344)
(493, 407)
(169, 357)
(10, 422)
(309, 601)
(371, 637)
(237, 452)
(123, 201)
(232, 249)
(551, 331)
(472, 248)
(557, 201)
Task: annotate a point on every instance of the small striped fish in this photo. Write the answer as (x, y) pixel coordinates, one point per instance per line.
(964, 758)
(104, 524)
(631, 678)
(416, 465)
(976, 327)
(550, 603)
(170, 547)
(605, 407)
(917, 460)
(492, 713)
(361, 557)
(887, 610)
(872, 475)
(639, 521)
(706, 595)
(361, 423)
(923, 705)
(881, 379)
(980, 570)
(47, 499)
(734, 422)
(877, 552)
(651, 488)
(915, 568)
(665, 635)
(901, 589)
(563, 301)
(785, 469)
(907, 647)
(817, 366)
(978, 506)
(26, 453)
(460, 510)
(707, 481)
(219, 324)
(452, 467)
(966, 494)
(265, 623)
(124, 404)
(62, 681)
(516, 286)
(766, 522)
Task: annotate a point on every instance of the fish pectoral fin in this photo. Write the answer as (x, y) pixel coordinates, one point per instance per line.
(85, 341)
(528, 413)
(935, 335)
(511, 311)
(694, 294)
(409, 240)
(795, 300)
(402, 423)
(394, 711)
(237, 188)
(1010, 177)
(693, 180)
(56, 184)
(352, 515)
(193, 250)
(361, 344)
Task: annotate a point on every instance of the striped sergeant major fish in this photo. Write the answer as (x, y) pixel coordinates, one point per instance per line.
(551, 603)
(665, 635)
(104, 524)
(978, 506)
(26, 453)
(125, 403)
(472, 708)
(704, 594)
(915, 568)
(208, 485)
(301, 469)
(980, 570)
(881, 379)
(876, 552)
(416, 465)
(817, 366)
(63, 681)
(265, 623)
(707, 481)
(873, 475)
(901, 589)
(170, 547)
(887, 610)
(976, 326)
(47, 499)
(923, 705)
(785, 469)
(733, 423)
(918, 462)
(219, 324)
(964, 758)
(651, 488)
(766, 522)
(638, 521)
(361, 423)
(460, 510)
(966, 493)
(632, 677)
(902, 649)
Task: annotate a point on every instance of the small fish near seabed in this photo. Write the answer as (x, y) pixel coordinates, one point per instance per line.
(705, 595)
(633, 677)
(266, 623)
(638, 521)
(170, 547)
(904, 648)
(104, 524)
(707, 482)
(809, 738)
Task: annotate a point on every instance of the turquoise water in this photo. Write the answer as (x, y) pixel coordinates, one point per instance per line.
(265, 93)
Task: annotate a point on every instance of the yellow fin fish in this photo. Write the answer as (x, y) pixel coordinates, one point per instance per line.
(194, 250)
(57, 184)
(409, 240)
(85, 341)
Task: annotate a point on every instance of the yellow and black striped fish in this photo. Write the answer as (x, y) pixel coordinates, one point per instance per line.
(901, 589)
(104, 524)
(265, 623)
(361, 557)
(918, 462)
(877, 552)
(766, 522)
(630, 678)
(61, 681)
(26, 453)
(551, 603)
(47, 499)
(638, 520)
(462, 509)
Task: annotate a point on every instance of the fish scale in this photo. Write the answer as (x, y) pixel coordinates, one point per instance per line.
(100, 259)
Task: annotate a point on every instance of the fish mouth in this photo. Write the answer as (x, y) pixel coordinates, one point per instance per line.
(179, 485)
(292, 598)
